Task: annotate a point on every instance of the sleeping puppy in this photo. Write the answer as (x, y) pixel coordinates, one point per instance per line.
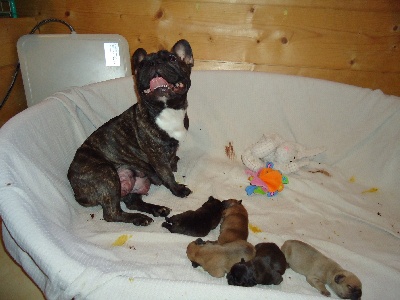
(267, 267)
(196, 223)
(320, 270)
(235, 222)
(120, 160)
(218, 259)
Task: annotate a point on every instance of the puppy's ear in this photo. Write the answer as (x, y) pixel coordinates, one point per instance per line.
(242, 261)
(240, 201)
(183, 50)
(339, 278)
(137, 57)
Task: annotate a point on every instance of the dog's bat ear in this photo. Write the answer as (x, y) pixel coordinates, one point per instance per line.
(183, 50)
(137, 57)
(339, 278)
(240, 201)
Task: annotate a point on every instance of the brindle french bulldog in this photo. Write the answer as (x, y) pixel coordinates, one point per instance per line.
(120, 160)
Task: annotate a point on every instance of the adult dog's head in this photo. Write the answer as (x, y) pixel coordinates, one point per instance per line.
(163, 78)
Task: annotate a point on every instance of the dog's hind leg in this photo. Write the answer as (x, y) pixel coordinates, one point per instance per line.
(108, 193)
(135, 202)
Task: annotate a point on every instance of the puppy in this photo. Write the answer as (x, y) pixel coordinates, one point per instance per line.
(120, 160)
(320, 270)
(218, 259)
(267, 267)
(235, 222)
(196, 223)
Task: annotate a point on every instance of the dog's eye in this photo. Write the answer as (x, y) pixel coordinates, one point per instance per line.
(172, 58)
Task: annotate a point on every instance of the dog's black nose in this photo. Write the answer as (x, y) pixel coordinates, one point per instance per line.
(356, 294)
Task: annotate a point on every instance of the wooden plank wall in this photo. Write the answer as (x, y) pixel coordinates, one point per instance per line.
(10, 31)
(355, 42)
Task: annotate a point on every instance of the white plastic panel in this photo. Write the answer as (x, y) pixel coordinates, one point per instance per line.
(53, 62)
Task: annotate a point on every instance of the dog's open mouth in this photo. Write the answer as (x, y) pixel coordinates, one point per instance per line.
(160, 83)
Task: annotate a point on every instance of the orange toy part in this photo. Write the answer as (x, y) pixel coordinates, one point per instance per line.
(272, 178)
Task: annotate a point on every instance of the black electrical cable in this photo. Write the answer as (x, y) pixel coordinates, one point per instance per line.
(17, 68)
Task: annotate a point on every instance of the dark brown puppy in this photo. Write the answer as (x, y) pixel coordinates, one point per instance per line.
(235, 222)
(267, 267)
(196, 223)
(218, 259)
(122, 157)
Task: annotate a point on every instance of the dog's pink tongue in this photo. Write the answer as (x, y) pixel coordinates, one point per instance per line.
(157, 82)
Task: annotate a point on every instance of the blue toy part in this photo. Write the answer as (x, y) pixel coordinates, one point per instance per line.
(253, 189)
(250, 189)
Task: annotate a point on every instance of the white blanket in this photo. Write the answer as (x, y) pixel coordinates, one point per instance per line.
(351, 216)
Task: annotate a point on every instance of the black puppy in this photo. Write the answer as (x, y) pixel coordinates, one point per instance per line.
(120, 160)
(196, 223)
(267, 267)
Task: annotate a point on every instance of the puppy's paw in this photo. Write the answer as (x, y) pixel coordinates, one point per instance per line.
(276, 278)
(195, 264)
(199, 241)
(326, 293)
(181, 191)
(166, 225)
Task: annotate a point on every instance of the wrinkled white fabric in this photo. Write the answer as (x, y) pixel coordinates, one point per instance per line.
(348, 207)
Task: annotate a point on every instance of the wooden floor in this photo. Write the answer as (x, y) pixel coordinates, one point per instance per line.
(14, 283)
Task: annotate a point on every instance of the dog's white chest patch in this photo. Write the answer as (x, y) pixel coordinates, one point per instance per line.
(171, 121)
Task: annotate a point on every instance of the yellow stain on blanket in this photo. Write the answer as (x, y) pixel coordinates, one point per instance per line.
(122, 239)
(352, 179)
(254, 228)
(371, 190)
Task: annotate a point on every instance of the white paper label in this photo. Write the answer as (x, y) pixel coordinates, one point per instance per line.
(111, 51)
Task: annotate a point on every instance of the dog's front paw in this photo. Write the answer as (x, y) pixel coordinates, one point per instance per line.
(181, 191)
(161, 211)
(142, 220)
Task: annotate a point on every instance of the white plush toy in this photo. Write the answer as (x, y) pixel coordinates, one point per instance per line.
(287, 157)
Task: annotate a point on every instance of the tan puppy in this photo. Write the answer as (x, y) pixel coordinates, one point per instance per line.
(219, 259)
(235, 222)
(320, 270)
